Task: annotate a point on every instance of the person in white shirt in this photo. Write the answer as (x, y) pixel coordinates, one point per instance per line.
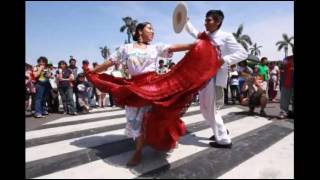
(234, 83)
(231, 52)
(273, 85)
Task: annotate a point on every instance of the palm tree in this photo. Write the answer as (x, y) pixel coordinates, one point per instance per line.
(285, 44)
(243, 39)
(105, 52)
(130, 25)
(255, 50)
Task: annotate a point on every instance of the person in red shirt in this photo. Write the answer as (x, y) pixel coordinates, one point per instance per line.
(286, 86)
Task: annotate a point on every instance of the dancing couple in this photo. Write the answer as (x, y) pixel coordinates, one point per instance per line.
(154, 103)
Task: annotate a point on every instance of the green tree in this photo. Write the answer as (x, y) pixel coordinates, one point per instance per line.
(129, 25)
(243, 39)
(105, 52)
(284, 44)
(255, 50)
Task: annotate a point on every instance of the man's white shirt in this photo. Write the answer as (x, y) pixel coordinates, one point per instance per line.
(231, 51)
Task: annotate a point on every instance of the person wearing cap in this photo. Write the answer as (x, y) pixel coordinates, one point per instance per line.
(211, 97)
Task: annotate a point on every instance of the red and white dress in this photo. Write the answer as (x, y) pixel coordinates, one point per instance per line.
(155, 102)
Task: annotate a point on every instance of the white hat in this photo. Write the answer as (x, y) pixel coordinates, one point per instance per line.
(179, 17)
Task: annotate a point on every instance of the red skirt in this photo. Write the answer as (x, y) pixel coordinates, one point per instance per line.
(169, 94)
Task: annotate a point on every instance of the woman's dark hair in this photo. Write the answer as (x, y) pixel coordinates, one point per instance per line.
(217, 15)
(139, 27)
(42, 58)
(62, 62)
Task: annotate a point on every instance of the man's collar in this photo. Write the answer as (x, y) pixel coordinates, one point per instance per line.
(213, 33)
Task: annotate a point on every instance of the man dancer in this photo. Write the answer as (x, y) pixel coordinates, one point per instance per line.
(231, 52)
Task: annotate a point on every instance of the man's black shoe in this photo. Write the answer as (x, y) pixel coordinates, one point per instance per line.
(214, 138)
(216, 145)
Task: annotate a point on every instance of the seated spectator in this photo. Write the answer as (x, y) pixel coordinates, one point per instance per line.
(254, 90)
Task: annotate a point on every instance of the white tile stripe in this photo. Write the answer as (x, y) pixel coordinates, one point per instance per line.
(98, 115)
(275, 162)
(61, 147)
(106, 168)
(75, 127)
(104, 109)
(85, 117)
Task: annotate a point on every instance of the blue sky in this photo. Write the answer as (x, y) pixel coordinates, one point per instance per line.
(60, 29)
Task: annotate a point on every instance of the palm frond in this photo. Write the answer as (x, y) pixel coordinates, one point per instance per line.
(291, 38)
(246, 38)
(285, 37)
(280, 42)
(281, 46)
(244, 44)
(239, 30)
(123, 28)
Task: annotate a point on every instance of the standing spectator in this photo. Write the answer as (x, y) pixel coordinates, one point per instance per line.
(263, 69)
(127, 75)
(274, 75)
(94, 91)
(100, 96)
(30, 88)
(42, 76)
(83, 88)
(226, 89)
(90, 90)
(234, 84)
(244, 71)
(74, 69)
(172, 64)
(161, 69)
(52, 95)
(117, 72)
(65, 79)
(286, 84)
(255, 71)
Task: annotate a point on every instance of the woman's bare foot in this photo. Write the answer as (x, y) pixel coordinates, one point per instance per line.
(135, 160)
